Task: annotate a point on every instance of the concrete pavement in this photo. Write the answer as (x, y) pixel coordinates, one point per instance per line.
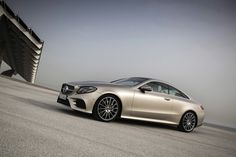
(33, 124)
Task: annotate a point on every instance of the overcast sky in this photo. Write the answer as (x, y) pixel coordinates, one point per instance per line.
(191, 44)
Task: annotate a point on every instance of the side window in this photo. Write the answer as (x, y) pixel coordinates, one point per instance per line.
(167, 89)
(153, 85)
(163, 88)
(175, 92)
(158, 87)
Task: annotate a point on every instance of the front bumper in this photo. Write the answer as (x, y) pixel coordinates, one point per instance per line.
(63, 102)
(83, 102)
(79, 102)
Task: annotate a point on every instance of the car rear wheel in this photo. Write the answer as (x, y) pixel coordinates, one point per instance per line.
(188, 122)
(107, 108)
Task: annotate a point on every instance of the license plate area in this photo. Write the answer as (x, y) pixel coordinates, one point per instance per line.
(62, 96)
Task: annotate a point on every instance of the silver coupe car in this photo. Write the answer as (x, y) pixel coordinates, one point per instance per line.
(134, 98)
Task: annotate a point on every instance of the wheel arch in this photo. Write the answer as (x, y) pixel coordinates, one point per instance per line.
(110, 94)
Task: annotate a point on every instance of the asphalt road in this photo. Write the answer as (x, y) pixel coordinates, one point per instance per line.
(33, 124)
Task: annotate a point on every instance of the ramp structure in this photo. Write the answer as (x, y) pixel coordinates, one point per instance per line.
(20, 47)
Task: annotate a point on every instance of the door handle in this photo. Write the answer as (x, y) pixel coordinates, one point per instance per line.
(167, 99)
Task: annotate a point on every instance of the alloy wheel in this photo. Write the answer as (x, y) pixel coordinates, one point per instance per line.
(108, 108)
(189, 121)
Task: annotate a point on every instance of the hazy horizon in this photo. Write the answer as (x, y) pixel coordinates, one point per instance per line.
(190, 44)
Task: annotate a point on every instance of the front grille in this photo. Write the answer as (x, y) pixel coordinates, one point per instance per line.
(67, 89)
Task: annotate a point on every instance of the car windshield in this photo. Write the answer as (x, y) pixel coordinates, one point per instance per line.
(129, 81)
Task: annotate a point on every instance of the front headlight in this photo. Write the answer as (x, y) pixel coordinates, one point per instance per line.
(86, 89)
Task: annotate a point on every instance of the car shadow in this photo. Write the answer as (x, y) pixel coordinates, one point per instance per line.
(118, 121)
(71, 112)
(145, 123)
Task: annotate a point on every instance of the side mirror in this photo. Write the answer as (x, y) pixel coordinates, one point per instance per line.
(145, 88)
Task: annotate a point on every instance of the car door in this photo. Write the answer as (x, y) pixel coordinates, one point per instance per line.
(155, 104)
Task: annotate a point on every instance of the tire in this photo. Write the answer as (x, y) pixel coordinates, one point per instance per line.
(188, 122)
(107, 108)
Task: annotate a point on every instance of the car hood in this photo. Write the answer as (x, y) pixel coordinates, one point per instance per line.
(95, 83)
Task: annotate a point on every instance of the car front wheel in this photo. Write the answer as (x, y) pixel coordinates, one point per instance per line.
(107, 108)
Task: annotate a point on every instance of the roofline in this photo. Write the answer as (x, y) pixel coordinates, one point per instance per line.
(161, 81)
